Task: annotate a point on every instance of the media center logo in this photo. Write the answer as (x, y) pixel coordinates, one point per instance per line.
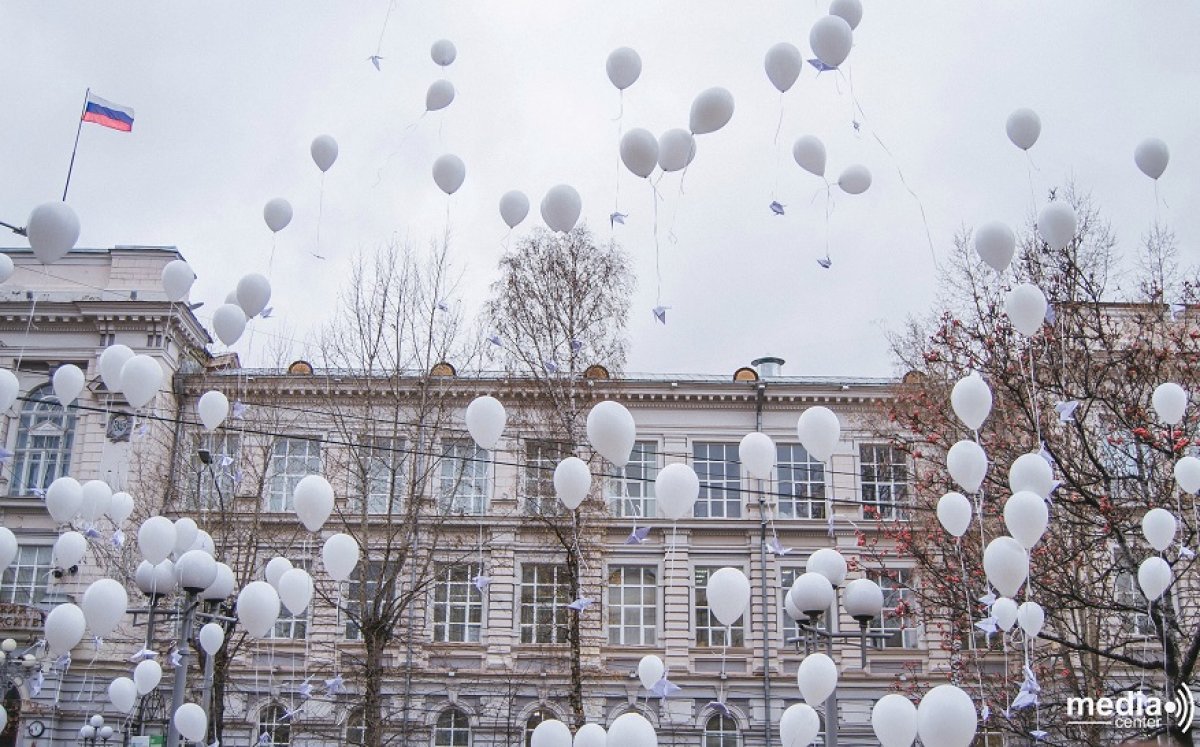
(1135, 710)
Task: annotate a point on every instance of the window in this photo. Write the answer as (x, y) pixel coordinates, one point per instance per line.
(787, 577)
(801, 485)
(464, 478)
(532, 722)
(287, 625)
(356, 729)
(632, 494)
(897, 609)
(378, 475)
(541, 457)
(720, 475)
(884, 473)
(989, 739)
(633, 605)
(44, 437)
(1135, 621)
(453, 729)
(709, 632)
(545, 594)
(457, 605)
(292, 459)
(25, 579)
(216, 482)
(273, 729)
(363, 595)
(721, 731)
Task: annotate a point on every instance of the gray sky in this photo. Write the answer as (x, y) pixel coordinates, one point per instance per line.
(228, 96)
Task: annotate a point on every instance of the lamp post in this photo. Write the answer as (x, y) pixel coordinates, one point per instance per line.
(95, 729)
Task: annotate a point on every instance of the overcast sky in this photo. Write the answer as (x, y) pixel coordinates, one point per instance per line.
(228, 96)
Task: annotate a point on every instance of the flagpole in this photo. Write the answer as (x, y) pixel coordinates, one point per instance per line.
(78, 129)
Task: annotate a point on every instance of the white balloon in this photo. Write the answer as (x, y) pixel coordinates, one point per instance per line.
(212, 637)
(146, 676)
(572, 481)
(550, 733)
(1154, 577)
(253, 294)
(191, 721)
(728, 593)
(1033, 473)
(485, 418)
(324, 150)
(141, 376)
(10, 387)
(229, 322)
(156, 539)
(894, 720)
(1170, 402)
(64, 498)
(112, 360)
(196, 571)
(757, 453)
(561, 207)
(851, 12)
(97, 497)
(632, 730)
(650, 670)
(967, 465)
(971, 399)
(449, 171)
(155, 580)
(340, 555)
(612, 431)
(276, 567)
(258, 608)
(591, 735)
(1031, 617)
(120, 507)
(1005, 611)
(1023, 127)
(711, 110)
(1151, 156)
(829, 563)
(855, 179)
(295, 590)
(995, 244)
(186, 532)
(799, 725)
(68, 383)
(6, 267)
(809, 153)
(1056, 224)
(676, 487)
(223, 585)
(819, 430)
(1026, 517)
(52, 230)
(1026, 306)
(278, 214)
(817, 677)
(676, 149)
(8, 548)
(439, 96)
(946, 718)
(624, 67)
(443, 52)
(177, 279)
(1158, 526)
(122, 693)
(64, 629)
(1187, 474)
(514, 206)
(1006, 564)
(831, 39)
(313, 500)
(212, 407)
(104, 605)
(954, 513)
(783, 64)
(639, 151)
(69, 549)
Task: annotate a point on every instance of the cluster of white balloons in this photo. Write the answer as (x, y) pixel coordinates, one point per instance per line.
(67, 499)
(138, 377)
(627, 730)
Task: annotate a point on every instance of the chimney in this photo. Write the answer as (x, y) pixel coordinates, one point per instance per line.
(769, 367)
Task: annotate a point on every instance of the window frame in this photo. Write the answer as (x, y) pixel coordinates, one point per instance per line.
(538, 496)
(643, 633)
(281, 485)
(453, 475)
(536, 631)
(22, 576)
(42, 462)
(631, 496)
(440, 730)
(896, 584)
(719, 486)
(702, 617)
(727, 728)
(894, 506)
(443, 605)
(273, 726)
(787, 468)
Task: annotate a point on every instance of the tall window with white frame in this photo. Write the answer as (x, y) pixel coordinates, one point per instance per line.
(377, 476)
(289, 625)
(801, 485)
(45, 435)
(787, 577)
(710, 633)
(453, 729)
(292, 459)
(897, 614)
(361, 595)
(216, 480)
(545, 594)
(1126, 592)
(457, 604)
(883, 472)
(356, 728)
(720, 471)
(633, 605)
(274, 728)
(541, 457)
(463, 478)
(631, 494)
(721, 731)
(26, 578)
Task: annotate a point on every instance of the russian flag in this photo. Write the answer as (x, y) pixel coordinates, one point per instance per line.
(107, 113)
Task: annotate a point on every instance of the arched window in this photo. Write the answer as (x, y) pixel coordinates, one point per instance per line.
(453, 729)
(44, 436)
(721, 731)
(535, 718)
(356, 726)
(273, 729)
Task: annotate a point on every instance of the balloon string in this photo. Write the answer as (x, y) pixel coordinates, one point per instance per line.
(970, 619)
(28, 326)
(778, 127)
(271, 260)
(408, 130)
(320, 210)
(1037, 418)
(655, 197)
(617, 180)
(379, 46)
(1029, 169)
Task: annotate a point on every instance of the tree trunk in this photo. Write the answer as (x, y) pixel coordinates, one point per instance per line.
(374, 640)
